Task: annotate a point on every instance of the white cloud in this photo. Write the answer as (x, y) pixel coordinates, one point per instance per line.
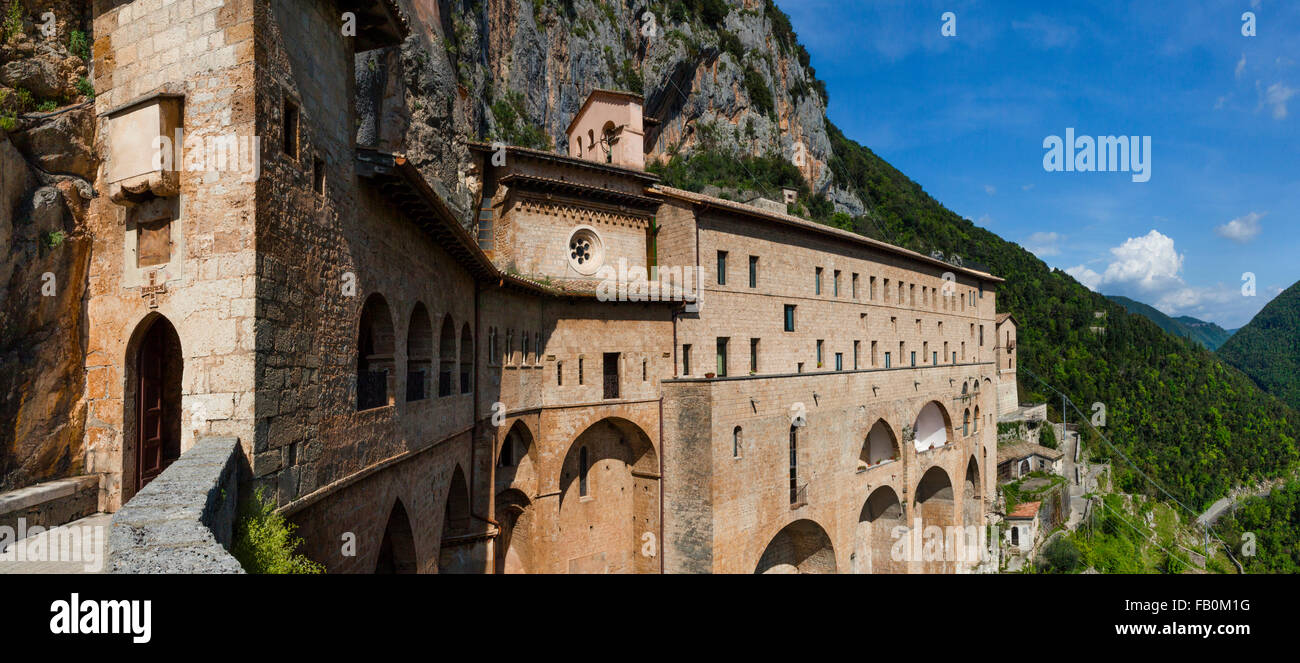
(1148, 263)
(1027, 187)
(984, 221)
(1241, 66)
(990, 189)
(1149, 269)
(1085, 276)
(1044, 244)
(1241, 229)
(1276, 97)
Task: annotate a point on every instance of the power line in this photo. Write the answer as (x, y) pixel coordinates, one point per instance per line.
(1195, 516)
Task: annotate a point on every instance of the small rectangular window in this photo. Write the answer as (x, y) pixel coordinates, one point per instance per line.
(914, 357)
(753, 355)
(789, 317)
(817, 282)
(855, 355)
(686, 359)
(855, 285)
(290, 127)
(839, 361)
(819, 352)
(722, 268)
(837, 283)
(722, 357)
(153, 243)
(580, 367)
(873, 353)
(753, 271)
(887, 360)
(559, 374)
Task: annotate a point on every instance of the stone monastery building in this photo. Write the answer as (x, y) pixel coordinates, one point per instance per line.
(513, 397)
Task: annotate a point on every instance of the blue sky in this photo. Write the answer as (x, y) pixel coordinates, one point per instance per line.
(966, 117)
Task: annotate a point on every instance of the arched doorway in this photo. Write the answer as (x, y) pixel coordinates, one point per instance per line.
(375, 354)
(800, 547)
(397, 549)
(609, 501)
(875, 540)
(935, 507)
(455, 551)
(154, 384)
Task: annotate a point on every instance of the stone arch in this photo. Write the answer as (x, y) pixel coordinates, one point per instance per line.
(935, 506)
(454, 552)
(965, 422)
(446, 356)
(514, 542)
(874, 538)
(880, 445)
(976, 420)
(972, 495)
(466, 359)
(375, 342)
(800, 547)
(516, 459)
(152, 421)
(419, 354)
(933, 427)
(397, 549)
(606, 529)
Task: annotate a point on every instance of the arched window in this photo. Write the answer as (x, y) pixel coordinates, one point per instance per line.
(419, 355)
(466, 358)
(977, 415)
(964, 387)
(446, 356)
(1015, 536)
(794, 465)
(582, 472)
(965, 422)
(374, 354)
(735, 442)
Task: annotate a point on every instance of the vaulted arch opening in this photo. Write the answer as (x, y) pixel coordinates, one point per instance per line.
(375, 354)
(935, 506)
(455, 550)
(446, 356)
(800, 547)
(932, 427)
(880, 446)
(514, 541)
(419, 355)
(874, 540)
(397, 548)
(972, 495)
(609, 501)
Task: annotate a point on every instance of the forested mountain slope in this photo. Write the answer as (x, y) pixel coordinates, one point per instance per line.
(1268, 348)
(1208, 334)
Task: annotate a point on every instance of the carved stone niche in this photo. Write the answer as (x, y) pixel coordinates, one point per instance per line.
(136, 167)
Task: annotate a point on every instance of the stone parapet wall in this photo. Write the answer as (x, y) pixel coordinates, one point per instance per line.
(183, 521)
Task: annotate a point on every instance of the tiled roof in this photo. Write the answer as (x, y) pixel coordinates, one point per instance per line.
(805, 224)
(1025, 510)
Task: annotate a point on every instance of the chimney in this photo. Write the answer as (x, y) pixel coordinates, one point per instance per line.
(609, 128)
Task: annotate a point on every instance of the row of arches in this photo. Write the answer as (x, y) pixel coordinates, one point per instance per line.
(443, 369)
(397, 549)
(882, 541)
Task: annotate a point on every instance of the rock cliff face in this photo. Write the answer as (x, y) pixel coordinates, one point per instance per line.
(727, 72)
(46, 158)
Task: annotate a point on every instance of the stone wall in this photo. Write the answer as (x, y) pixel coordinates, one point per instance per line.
(51, 503)
(183, 521)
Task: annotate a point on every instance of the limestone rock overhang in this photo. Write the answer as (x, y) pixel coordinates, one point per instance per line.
(380, 23)
(702, 201)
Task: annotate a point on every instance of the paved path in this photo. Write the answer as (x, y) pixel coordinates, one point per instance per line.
(89, 560)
